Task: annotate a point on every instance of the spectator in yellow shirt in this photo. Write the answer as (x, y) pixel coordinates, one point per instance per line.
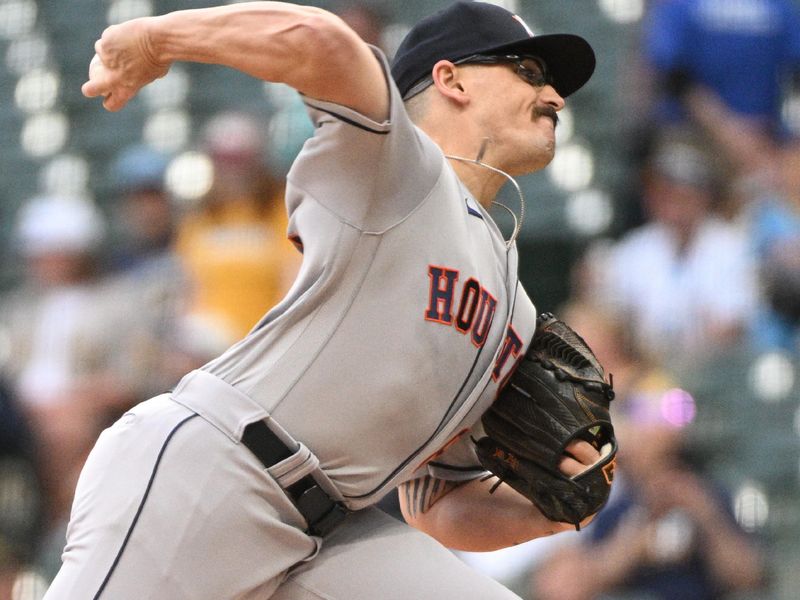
(234, 246)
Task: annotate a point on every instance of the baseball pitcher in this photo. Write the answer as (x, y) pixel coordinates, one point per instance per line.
(402, 357)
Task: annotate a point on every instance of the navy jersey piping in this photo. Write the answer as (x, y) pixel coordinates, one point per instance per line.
(348, 121)
(141, 506)
(472, 211)
(471, 469)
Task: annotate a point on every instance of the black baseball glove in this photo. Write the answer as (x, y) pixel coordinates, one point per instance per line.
(558, 394)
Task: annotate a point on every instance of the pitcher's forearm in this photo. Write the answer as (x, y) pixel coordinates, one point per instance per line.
(273, 41)
(469, 518)
(307, 48)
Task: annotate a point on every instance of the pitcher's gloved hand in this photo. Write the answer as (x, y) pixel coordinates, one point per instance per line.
(557, 395)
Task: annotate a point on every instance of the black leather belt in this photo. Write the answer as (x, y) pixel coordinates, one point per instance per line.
(321, 512)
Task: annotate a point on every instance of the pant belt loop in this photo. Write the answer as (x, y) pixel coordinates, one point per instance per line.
(320, 511)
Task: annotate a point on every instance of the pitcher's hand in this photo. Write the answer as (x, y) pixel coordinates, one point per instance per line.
(124, 62)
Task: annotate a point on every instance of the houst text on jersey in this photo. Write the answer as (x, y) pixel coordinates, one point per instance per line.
(469, 308)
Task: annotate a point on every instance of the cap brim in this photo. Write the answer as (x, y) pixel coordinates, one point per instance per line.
(570, 59)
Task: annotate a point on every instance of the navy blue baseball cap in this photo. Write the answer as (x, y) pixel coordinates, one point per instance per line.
(465, 28)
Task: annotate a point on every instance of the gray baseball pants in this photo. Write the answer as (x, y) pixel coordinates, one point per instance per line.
(169, 506)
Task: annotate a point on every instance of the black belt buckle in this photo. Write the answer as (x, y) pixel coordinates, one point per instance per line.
(321, 512)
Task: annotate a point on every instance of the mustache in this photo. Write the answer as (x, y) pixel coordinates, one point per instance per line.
(547, 111)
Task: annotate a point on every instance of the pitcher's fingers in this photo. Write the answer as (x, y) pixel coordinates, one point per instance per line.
(113, 103)
(570, 467)
(91, 89)
(95, 86)
(583, 452)
(98, 84)
(87, 89)
(117, 100)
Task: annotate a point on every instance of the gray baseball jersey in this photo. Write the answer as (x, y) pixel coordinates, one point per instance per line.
(404, 320)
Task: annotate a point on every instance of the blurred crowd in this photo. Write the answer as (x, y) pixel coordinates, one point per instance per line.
(116, 305)
(708, 270)
(116, 308)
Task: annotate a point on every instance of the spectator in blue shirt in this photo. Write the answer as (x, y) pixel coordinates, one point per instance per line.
(745, 52)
